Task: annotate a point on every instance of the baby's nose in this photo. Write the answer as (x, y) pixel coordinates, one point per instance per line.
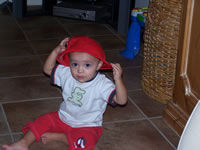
(80, 69)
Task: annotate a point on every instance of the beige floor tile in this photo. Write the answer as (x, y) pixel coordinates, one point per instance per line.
(40, 146)
(138, 135)
(15, 48)
(3, 124)
(110, 42)
(122, 113)
(20, 66)
(45, 46)
(5, 139)
(149, 106)
(167, 130)
(115, 57)
(17, 35)
(46, 31)
(92, 29)
(18, 114)
(26, 88)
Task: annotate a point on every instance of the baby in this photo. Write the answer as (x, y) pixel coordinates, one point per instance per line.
(85, 91)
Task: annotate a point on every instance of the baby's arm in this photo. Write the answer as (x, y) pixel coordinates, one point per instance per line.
(121, 91)
(51, 59)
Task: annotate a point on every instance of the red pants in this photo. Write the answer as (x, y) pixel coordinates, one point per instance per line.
(78, 138)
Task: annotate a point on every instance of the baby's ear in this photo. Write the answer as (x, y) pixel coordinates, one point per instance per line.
(99, 65)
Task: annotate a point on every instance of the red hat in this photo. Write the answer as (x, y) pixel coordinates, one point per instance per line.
(83, 44)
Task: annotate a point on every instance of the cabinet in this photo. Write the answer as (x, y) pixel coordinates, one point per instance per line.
(187, 82)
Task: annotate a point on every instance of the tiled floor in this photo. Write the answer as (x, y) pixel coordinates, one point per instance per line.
(25, 92)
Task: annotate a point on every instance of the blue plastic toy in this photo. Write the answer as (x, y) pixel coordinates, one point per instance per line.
(133, 38)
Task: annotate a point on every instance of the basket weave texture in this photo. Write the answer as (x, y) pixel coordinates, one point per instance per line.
(160, 48)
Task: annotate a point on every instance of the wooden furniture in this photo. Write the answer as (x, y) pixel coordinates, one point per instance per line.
(187, 85)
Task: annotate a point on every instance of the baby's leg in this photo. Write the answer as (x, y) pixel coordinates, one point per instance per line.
(22, 144)
(84, 138)
(53, 136)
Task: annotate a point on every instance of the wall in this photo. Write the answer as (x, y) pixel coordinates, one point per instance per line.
(138, 3)
(141, 3)
(34, 2)
(29, 2)
(2, 1)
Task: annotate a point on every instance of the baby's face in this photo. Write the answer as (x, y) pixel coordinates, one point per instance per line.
(83, 66)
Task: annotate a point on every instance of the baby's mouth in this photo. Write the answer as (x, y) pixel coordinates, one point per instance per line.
(80, 77)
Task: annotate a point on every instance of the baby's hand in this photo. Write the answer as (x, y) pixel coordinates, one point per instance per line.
(117, 71)
(62, 46)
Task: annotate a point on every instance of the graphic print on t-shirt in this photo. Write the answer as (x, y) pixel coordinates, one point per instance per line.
(77, 96)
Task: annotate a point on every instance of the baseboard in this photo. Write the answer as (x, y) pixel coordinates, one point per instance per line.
(175, 117)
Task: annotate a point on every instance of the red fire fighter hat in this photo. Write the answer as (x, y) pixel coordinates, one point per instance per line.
(83, 44)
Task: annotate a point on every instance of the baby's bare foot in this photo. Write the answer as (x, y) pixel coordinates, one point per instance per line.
(46, 138)
(20, 145)
(49, 137)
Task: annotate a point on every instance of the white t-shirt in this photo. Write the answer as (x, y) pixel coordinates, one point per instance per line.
(84, 103)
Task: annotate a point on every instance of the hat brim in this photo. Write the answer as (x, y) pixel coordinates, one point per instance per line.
(63, 58)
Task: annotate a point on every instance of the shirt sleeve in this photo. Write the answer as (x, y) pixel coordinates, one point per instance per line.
(59, 74)
(108, 91)
(111, 100)
(53, 74)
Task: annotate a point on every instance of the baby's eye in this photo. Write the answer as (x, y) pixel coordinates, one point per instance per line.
(74, 64)
(87, 65)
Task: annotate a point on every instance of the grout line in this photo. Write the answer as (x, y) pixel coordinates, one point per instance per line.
(4, 134)
(16, 133)
(26, 37)
(115, 33)
(81, 22)
(124, 41)
(25, 76)
(31, 45)
(135, 90)
(62, 25)
(122, 121)
(13, 133)
(48, 38)
(9, 40)
(173, 130)
(15, 57)
(152, 124)
(94, 35)
(6, 120)
(162, 134)
(157, 117)
(134, 67)
(102, 35)
(30, 100)
(125, 68)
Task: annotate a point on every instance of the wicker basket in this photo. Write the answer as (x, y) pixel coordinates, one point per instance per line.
(160, 48)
